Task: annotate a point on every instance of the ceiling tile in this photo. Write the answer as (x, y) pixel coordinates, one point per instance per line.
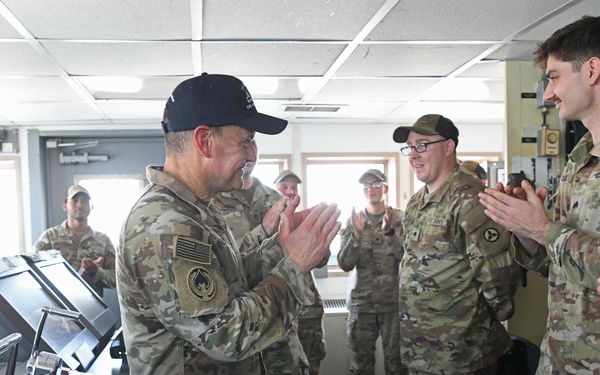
(466, 112)
(467, 89)
(413, 60)
(571, 14)
(7, 31)
(372, 90)
(130, 87)
(459, 20)
(486, 69)
(518, 51)
(36, 89)
(104, 20)
(287, 20)
(133, 110)
(24, 61)
(270, 59)
(49, 113)
(111, 59)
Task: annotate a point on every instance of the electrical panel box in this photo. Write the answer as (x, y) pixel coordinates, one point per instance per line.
(548, 142)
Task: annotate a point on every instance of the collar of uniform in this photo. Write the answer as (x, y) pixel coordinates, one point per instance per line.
(437, 195)
(64, 230)
(155, 174)
(583, 148)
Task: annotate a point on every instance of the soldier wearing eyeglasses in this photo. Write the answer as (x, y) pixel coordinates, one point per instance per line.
(371, 250)
(457, 275)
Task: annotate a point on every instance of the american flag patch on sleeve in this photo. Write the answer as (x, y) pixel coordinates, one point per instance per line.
(192, 250)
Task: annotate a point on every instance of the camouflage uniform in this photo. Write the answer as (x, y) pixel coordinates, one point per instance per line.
(93, 245)
(245, 219)
(572, 341)
(373, 298)
(457, 281)
(187, 306)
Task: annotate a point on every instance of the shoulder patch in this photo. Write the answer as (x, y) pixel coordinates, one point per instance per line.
(491, 235)
(192, 250)
(201, 284)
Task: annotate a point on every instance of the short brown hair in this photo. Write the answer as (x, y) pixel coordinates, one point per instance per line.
(575, 43)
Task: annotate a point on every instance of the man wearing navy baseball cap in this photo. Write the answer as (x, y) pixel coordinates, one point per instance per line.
(216, 100)
(191, 303)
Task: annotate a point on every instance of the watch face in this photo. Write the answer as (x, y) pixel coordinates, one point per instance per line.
(552, 137)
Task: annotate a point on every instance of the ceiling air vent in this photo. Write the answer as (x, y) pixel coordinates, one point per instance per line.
(311, 108)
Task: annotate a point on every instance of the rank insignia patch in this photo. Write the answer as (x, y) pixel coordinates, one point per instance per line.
(491, 235)
(201, 284)
(192, 250)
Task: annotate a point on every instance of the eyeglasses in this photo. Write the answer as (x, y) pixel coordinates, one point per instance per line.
(373, 185)
(419, 147)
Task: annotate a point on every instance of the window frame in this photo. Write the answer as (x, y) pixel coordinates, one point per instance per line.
(16, 165)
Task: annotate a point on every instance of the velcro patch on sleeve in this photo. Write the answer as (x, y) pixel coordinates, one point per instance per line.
(192, 250)
(198, 287)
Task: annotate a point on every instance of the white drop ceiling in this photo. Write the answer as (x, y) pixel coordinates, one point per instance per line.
(114, 62)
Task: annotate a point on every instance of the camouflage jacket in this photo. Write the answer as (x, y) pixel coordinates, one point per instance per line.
(92, 245)
(457, 280)
(186, 303)
(572, 340)
(245, 220)
(373, 261)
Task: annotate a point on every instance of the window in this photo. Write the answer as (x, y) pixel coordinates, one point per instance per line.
(335, 179)
(112, 198)
(268, 167)
(11, 228)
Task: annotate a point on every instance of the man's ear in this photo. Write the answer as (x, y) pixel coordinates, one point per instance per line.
(594, 70)
(449, 147)
(64, 206)
(204, 140)
(385, 188)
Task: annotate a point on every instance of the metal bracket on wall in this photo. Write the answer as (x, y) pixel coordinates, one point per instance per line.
(84, 158)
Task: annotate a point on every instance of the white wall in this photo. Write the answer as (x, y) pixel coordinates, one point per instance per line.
(337, 138)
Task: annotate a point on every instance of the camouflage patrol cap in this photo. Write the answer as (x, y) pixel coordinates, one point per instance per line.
(428, 125)
(287, 173)
(375, 173)
(76, 189)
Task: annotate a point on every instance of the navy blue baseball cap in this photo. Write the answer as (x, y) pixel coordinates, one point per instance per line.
(216, 100)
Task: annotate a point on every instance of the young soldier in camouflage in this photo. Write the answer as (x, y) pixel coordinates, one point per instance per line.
(457, 275)
(371, 249)
(187, 304)
(310, 320)
(252, 213)
(88, 251)
(565, 248)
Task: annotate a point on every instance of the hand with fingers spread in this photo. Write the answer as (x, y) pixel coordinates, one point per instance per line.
(305, 236)
(520, 210)
(358, 223)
